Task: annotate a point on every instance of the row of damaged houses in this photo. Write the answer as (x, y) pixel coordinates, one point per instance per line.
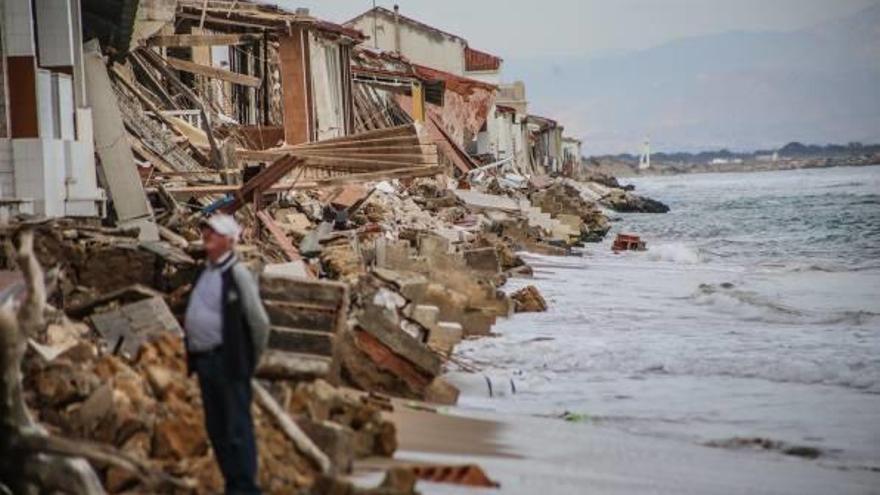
(530, 143)
(192, 76)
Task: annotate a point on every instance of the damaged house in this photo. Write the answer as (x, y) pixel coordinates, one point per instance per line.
(47, 164)
(470, 77)
(546, 143)
(285, 72)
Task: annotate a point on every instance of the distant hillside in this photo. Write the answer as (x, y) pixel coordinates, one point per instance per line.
(739, 90)
(792, 150)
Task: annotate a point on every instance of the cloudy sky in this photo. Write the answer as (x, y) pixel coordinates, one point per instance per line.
(586, 63)
(527, 29)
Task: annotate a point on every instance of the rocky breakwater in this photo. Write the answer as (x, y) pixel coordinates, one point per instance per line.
(617, 198)
(623, 201)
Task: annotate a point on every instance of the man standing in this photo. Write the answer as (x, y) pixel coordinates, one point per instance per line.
(226, 330)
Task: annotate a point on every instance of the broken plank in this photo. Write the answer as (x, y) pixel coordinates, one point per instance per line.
(399, 131)
(289, 250)
(400, 158)
(398, 173)
(302, 442)
(214, 72)
(410, 140)
(302, 341)
(316, 292)
(292, 315)
(354, 165)
(290, 365)
(185, 40)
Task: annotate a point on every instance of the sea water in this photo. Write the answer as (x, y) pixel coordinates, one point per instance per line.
(755, 312)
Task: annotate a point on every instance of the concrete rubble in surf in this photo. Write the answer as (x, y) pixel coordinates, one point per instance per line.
(380, 239)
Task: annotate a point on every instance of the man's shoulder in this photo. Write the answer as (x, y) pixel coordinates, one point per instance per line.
(242, 274)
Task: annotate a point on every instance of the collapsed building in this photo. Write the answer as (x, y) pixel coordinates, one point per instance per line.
(383, 193)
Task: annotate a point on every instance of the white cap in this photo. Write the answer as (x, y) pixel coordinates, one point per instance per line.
(224, 225)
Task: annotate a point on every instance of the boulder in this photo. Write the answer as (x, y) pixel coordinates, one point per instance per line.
(528, 300)
(627, 202)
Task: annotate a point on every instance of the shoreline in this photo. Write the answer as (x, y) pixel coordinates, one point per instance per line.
(528, 455)
(773, 471)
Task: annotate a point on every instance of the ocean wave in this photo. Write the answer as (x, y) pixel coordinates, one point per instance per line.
(845, 184)
(752, 306)
(675, 253)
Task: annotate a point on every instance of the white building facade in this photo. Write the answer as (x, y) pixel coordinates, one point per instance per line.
(47, 164)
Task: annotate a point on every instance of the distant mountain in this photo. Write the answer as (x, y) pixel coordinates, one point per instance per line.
(737, 90)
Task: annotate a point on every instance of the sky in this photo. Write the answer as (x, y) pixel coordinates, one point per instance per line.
(529, 29)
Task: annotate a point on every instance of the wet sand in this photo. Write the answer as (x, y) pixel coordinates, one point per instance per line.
(529, 455)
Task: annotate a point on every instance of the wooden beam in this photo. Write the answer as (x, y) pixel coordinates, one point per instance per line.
(398, 173)
(160, 64)
(185, 40)
(284, 243)
(302, 442)
(214, 72)
(355, 157)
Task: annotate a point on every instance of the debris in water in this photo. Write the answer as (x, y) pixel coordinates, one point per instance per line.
(628, 242)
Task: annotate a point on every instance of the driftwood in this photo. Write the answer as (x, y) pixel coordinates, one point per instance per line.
(302, 442)
(31, 461)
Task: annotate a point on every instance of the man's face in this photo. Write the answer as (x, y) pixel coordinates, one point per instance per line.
(216, 245)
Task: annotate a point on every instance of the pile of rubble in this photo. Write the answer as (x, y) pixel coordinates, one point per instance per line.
(368, 287)
(564, 202)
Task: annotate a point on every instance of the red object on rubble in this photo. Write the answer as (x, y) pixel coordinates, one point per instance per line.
(628, 242)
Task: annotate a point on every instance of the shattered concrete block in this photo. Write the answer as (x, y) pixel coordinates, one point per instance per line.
(129, 326)
(431, 246)
(333, 439)
(411, 285)
(376, 323)
(484, 261)
(425, 315)
(445, 336)
(441, 391)
(477, 322)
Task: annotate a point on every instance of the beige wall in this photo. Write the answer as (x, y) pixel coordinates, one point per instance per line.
(434, 50)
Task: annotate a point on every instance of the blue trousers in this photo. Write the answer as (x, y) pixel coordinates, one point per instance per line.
(227, 406)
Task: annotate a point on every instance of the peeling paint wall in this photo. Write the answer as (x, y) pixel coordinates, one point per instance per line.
(463, 116)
